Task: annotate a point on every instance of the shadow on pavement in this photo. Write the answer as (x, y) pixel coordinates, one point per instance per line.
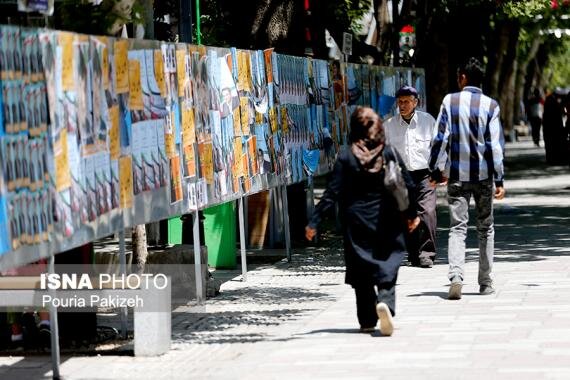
(211, 328)
(333, 331)
(522, 233)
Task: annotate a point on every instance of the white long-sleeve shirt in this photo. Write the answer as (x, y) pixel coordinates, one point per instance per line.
(412, 141)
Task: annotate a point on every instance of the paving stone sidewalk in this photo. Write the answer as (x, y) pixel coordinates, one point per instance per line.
(297, 320)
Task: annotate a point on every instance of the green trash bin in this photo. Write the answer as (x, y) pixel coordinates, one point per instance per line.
(220, 235)
(174, 231)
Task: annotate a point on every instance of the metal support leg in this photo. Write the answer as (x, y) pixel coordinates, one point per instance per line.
(197, 258)
(242, 241)
(55, 358)
(286, 222)
(123, 269)
(310, 199)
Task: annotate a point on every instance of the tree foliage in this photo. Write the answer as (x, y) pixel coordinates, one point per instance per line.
(83, 16)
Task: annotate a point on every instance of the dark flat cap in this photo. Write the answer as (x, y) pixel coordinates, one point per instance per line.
(406, 91)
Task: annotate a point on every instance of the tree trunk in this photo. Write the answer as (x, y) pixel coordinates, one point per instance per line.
(148, 18)
(496, 61)
(140, 251)
(522, 75)
(395, 34)
(507, 80)
(383, 30)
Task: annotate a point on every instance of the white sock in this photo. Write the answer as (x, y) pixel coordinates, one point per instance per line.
(17, 337)
(44, 322)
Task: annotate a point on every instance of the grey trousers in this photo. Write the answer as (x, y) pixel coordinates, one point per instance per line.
(459, 194)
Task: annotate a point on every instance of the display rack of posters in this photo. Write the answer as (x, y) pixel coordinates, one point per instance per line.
(98, 134)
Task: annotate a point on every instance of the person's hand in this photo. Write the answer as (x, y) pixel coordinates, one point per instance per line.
(499, 192)
(442, 182)
(413, 224)
(310, 233)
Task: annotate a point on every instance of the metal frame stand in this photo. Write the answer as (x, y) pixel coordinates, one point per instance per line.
(197, 257)
(241, 213)
(55, 357)
(286, 221)
(123, 269)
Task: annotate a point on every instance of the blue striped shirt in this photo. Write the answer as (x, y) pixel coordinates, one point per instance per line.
(469, 141)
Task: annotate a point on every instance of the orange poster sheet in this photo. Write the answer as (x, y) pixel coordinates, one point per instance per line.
(175, 180)
(268, 64)
(252, 150)
(206, 162)
(189, 161)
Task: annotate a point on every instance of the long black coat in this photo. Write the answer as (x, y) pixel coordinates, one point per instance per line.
(373, 227)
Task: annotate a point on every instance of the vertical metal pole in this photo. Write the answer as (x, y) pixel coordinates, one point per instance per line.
(286, 221)
(242, 241)
(123, 269)
(273, 209)
(310, 199)
(197, 258)
(55, 358)
(198, 32)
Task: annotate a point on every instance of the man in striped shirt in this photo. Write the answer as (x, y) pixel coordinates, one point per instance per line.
(469, 149)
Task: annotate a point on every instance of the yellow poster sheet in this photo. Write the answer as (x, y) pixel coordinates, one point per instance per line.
(159, 72)
(114, 139)
(126, 181)
(66, 41)
(188, 127)
(62, 171)
(135, 88)
(181, 70)
(206, 162)
(121, 51)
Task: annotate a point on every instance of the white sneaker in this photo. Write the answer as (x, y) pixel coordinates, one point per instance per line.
(385, 318)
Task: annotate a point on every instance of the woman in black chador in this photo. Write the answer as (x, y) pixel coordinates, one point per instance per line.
(373, 226)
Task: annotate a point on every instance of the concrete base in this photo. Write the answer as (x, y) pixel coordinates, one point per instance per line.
(153, 329)
(177, 261)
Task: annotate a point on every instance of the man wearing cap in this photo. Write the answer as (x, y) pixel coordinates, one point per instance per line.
(411, 132)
